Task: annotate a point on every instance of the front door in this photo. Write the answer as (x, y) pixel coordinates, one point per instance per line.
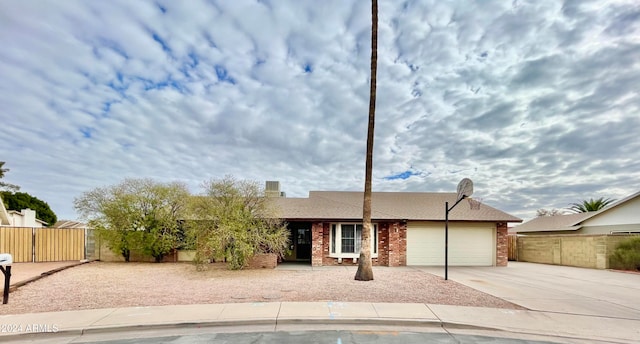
(303, 243)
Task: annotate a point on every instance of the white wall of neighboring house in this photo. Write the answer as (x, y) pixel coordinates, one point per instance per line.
(623, 218)
(24, 218)
(623, 214)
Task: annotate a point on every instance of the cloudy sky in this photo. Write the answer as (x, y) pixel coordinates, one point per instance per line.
(536, 101)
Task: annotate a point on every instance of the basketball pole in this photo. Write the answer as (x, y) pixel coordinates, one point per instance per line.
(446, 235)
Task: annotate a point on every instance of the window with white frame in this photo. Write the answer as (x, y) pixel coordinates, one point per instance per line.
(346, 240)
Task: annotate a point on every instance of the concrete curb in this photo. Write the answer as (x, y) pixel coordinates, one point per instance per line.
(392, 322)
(262, 325)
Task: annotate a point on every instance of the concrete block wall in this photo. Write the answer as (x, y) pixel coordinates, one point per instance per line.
(587, 251)
(536, 249)
(106, 255)
(578, 251)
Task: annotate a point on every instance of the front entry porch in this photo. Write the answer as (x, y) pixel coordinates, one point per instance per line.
(300, 243)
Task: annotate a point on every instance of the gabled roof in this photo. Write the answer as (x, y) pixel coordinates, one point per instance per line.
(20, 213)
(570, 222)
(347, 205)
(613, 205)
(69, 224)
(553, 223)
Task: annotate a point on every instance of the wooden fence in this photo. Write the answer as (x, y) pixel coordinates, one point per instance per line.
(43, 244)
(512, 245)
(18, 242)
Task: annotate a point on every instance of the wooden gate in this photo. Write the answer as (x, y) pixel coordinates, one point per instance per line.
(512, 244)
(18, 242)
(58, 244)
(43, 244)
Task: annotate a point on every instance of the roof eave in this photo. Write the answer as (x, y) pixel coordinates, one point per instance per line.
(571, 228)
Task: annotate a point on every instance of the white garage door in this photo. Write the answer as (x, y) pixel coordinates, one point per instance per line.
(471, 244)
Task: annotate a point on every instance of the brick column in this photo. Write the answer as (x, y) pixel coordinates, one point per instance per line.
(502, 249)
(316, 244)
(397, 244)
(383, 241)
(326, 260)
(402, 241)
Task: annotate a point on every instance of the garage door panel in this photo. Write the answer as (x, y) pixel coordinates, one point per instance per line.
(469, 244)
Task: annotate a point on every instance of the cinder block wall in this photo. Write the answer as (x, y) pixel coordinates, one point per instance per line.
(103, 253)
(587, 251)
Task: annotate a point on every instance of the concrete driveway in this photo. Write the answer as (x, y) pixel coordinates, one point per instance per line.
(552, 288)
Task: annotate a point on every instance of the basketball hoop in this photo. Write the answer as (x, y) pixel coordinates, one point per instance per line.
(465, 190)
(474, 204)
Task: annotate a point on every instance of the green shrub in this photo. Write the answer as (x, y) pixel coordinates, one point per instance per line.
(626, 255)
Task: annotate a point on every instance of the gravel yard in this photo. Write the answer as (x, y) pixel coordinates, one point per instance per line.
(106, 285)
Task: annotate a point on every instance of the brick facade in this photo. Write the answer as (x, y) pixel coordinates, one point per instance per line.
(502, 245)
(397, 244)
(392, 245)
(263, 261)
(317, 244)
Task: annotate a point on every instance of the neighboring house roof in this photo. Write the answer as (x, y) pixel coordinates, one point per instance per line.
(347, 205)
(22, 214)
(570, 222)
(613, 205)
(553, 223)
(69, 224)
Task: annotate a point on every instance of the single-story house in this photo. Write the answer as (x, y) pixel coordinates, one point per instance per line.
(408, 229)
(621, 217)
(4, 215)
(23, 218)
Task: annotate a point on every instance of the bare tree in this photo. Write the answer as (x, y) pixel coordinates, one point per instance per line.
(365, 271)
(549, 212)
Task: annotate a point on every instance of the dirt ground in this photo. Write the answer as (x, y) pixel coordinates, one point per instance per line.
(107, 285)
(23, 272)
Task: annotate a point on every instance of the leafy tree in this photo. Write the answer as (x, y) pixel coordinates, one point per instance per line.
(4, 185)
(137, 214)
(365, 270)
(590, 205)
(549, 212)
(22, 200)
(234, 221)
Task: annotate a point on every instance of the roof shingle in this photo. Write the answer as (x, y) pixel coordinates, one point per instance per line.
(347, 205)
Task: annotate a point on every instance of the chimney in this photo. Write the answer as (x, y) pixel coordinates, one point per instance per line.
(272, 189)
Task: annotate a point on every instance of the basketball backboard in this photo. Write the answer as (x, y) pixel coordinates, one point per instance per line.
(465, 189)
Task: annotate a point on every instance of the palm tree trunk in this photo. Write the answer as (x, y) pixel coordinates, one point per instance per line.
(365, 271)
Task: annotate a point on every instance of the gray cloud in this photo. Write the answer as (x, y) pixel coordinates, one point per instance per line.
(534, 100)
